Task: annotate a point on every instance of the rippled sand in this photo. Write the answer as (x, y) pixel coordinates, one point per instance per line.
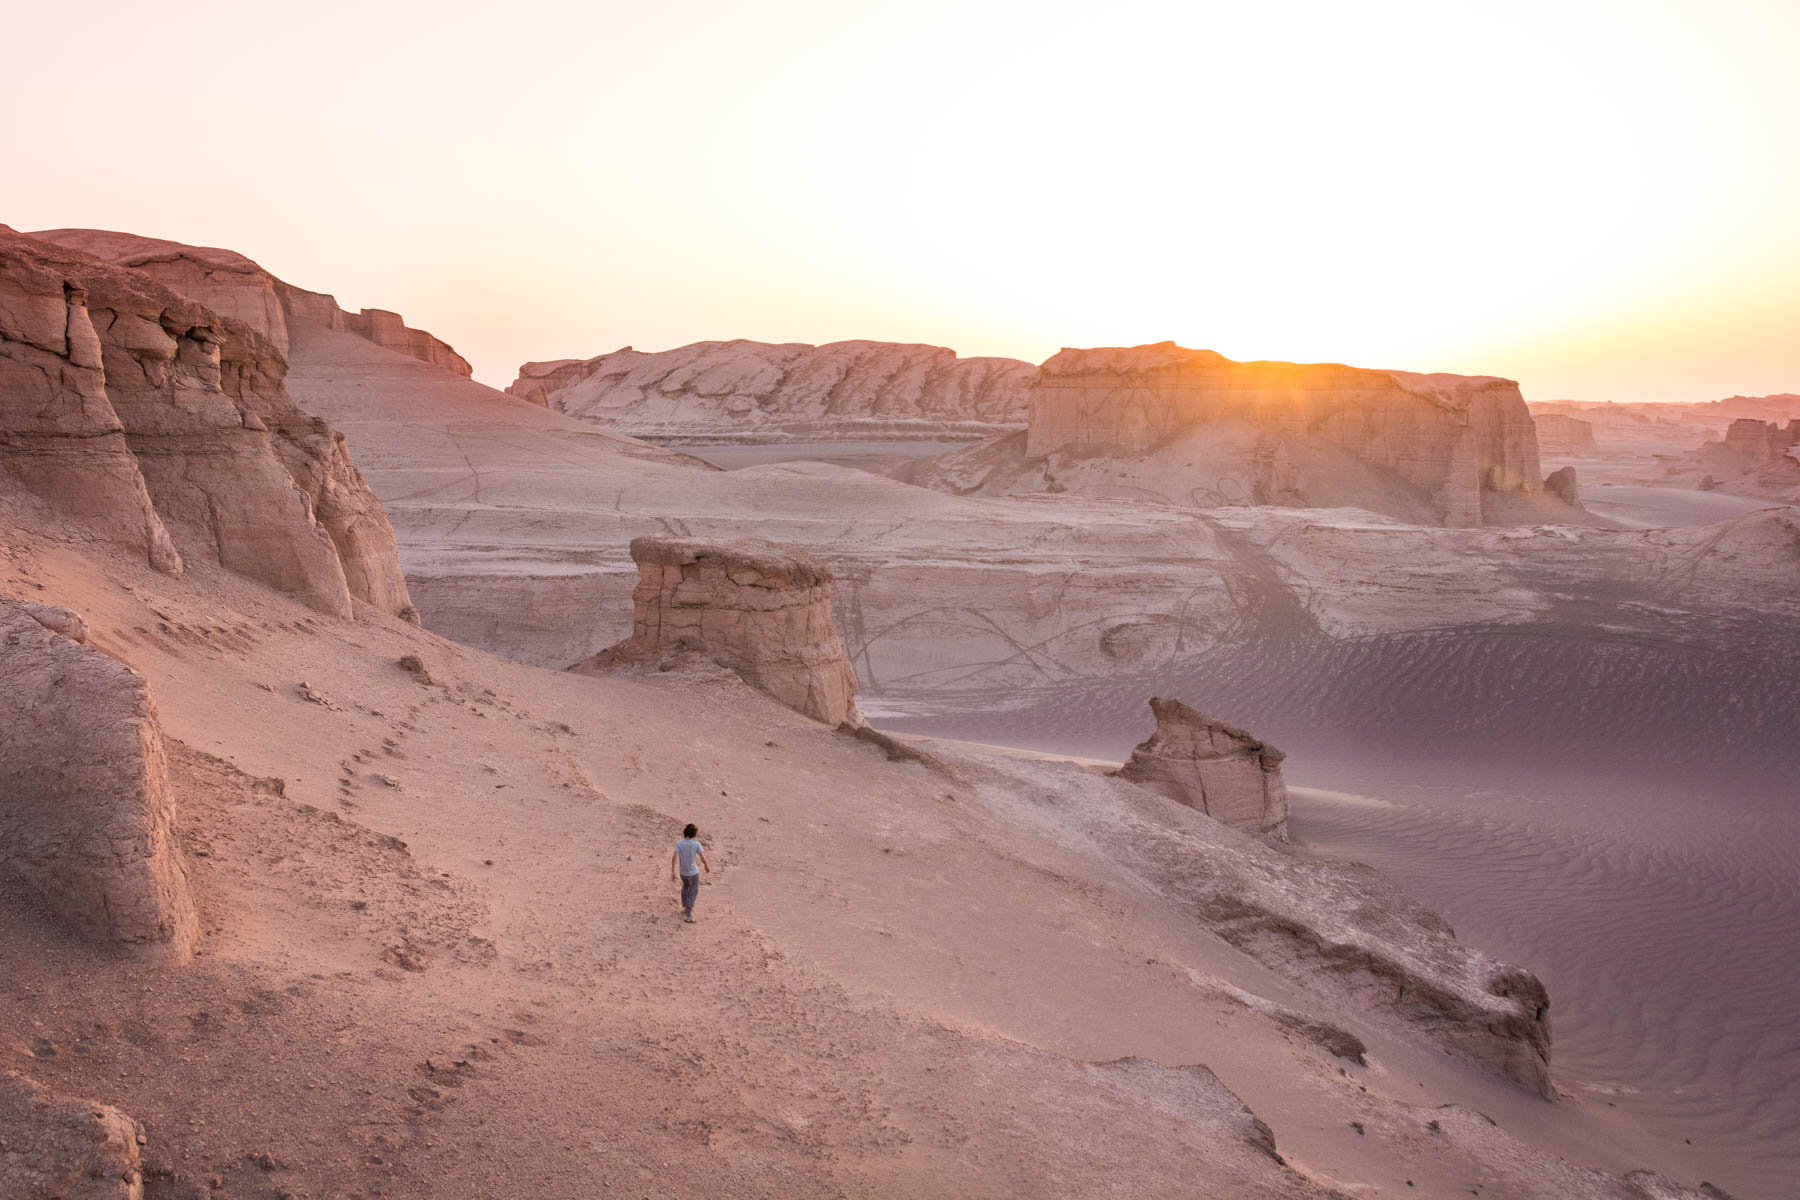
(1621, 816)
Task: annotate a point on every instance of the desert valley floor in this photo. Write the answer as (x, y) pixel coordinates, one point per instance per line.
(434, 946)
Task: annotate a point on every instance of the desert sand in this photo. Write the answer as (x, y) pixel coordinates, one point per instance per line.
(438, 950)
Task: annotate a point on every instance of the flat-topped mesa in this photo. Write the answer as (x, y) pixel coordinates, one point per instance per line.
(1558, 433)
(1451, 437)
(149, 420)
(761, 608)
(744, 389)
(1214, 767)
(235, 286)
(1763, 441)
(86, 811)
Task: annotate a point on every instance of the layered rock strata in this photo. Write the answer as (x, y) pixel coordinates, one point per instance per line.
(156, 423)
(1763, 441)
(86, 811)
(760, 608)
(58, 1148)
(1561, 434)
(1216, 768)
(744, 389)
(235, 286)
(1451, 438)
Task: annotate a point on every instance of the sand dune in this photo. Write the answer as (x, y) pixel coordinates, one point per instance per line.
(1617, 810)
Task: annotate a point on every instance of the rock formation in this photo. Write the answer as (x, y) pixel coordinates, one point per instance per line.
(234, 286)
(57, 1148)
(86, 810)
(744, 389)
(1214, 767)
(1764, 441)
(1558, 433)
(760, 608)
(1451, 438)
(377, 325)
(1561, 484)
(156, 423)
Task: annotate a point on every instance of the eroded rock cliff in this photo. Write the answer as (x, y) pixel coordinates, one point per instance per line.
(152, 421)
(760, 608)
(86, 810)
(1217, 768)
(235, 286)
(744, 389)
(1449, 439)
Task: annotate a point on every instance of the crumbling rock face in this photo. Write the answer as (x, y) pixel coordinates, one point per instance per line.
(748, 389)
(86, 810)
(59, 436)
(760, 608)
(1211, 766)
(1558, 433)
(157, 423)
(58, 1148)
(376, 325)
(234, 286)
(1451, 438)
(1340, 929)
(1763, 441)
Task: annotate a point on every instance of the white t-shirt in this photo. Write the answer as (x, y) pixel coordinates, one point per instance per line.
(687, 850)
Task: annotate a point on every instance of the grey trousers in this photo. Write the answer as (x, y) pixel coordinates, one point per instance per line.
(690, 892)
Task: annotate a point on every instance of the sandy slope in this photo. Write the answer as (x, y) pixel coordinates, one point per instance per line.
(442, 955)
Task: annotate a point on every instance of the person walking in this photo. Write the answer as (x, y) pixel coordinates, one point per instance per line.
(682, 866)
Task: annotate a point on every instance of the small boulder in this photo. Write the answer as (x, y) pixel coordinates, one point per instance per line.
(1561, 484)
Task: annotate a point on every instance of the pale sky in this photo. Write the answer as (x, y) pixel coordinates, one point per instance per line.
(1599, 199)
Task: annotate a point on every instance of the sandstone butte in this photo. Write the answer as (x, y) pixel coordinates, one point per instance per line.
(1219, 769)
(165, 427)
(759, 608)
(1456, 438)
(750, 390)
(1559, 433)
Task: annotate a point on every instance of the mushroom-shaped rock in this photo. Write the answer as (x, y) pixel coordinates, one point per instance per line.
(1214, 767)
(86, 811)
(761, 608)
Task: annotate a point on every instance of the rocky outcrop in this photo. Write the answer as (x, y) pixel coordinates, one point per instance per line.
(376, 325)
(58, 1148)
(1561, 484)
(1763, 441)
(234, 286)
(749, 390)
(1211, 766)
(60, 439)
(760, 608)
(86, 811)
(1451, 439)
(1560, 434)
(148, 419)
